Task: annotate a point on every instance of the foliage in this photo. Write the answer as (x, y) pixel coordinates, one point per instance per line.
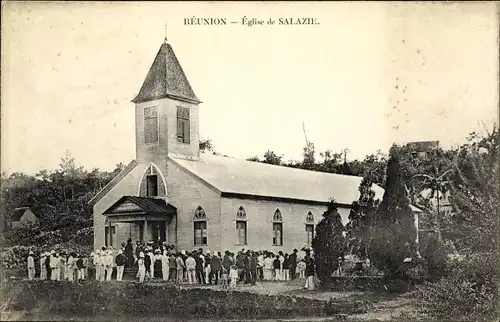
(329, 244)
(470, 291)
(59, 198)
(206, 145)
(272, 158)
(435, 252)
(358, 227)
(392, 231)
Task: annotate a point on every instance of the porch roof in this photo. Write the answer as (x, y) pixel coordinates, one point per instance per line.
(128, 205)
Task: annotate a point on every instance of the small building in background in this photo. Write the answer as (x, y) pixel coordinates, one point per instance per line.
(22, 216)
(421, 149)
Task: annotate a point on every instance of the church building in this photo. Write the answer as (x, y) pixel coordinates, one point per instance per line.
(174, 193)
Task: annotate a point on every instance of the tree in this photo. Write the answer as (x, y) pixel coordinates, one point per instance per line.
(362, 212)
(329, 244)
(206, 145)
(438, 186)
(272, 158)
(309, 161)
(393, 232)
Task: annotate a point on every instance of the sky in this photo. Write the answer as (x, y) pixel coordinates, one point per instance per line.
(369, 74)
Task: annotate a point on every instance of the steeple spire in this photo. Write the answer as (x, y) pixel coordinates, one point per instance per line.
(165, 41)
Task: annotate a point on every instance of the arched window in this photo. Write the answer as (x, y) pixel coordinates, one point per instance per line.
(152, 183)
(200, 227)
(241, 226)
(277, 228)
(309, 228)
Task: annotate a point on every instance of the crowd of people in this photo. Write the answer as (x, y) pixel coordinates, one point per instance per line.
(159, 261)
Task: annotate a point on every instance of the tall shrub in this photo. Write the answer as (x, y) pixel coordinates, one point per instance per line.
(393, 231)
(329, 243)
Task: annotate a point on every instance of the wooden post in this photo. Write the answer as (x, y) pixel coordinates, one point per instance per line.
(145, 230)
(110, 235)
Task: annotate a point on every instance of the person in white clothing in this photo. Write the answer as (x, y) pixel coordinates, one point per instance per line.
(31, 266)
(70, 268)
(268, 268)
(102, 264)
(165, 269)
(152, 261)
(96, 257)
(233, 276)
(142, 268)
(191, 269)
(109, 264)
(54, 266)
(43, 269)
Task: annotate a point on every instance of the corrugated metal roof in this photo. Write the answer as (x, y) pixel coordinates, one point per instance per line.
(236, 176)
(166, 78)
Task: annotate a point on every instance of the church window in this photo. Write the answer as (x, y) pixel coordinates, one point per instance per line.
(183, 125)
(200, 227)
(277, 228)
(241, 226)
(150, 124)
(152, 185)
(309, 227)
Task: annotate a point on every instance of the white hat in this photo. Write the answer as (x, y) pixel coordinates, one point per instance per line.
(141, 254)
(183, 252)
(92, 254)
(31, 252)
(52, 251)
(110, 252)
(208, 251)
(120, 251)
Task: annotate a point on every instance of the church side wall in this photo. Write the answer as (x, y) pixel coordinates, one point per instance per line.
(260, 224)
(127, 186)
(186, 193)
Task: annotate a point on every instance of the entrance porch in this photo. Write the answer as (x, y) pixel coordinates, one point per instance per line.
(141, 219)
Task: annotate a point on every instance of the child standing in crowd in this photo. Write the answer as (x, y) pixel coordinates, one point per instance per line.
(277, 268)
(233, 275)
(97, 264)
(43, 269)
(302, 268)
(102, 265)
(31, 266)
(224, 278)
(142, 268)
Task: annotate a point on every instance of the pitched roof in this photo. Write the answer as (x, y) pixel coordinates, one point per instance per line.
(113, 182)
(18, 213)
(145, 204)
(166, 79)
(241, 177)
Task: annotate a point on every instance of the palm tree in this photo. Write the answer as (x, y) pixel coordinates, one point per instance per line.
(438, 186)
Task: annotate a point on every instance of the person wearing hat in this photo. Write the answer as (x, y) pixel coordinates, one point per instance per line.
(102, 265)
(43, 270)
(151, 272)
(120, 261)
(54, 266)
(208, 259)
(180, 268)
(70, 267)
(191, 268)
(157, 263)
(31, 266)
(165, 270)
(97, 263)
(109, 264)
(142, 268)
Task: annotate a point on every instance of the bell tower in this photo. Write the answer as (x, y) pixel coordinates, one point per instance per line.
(166, 111)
